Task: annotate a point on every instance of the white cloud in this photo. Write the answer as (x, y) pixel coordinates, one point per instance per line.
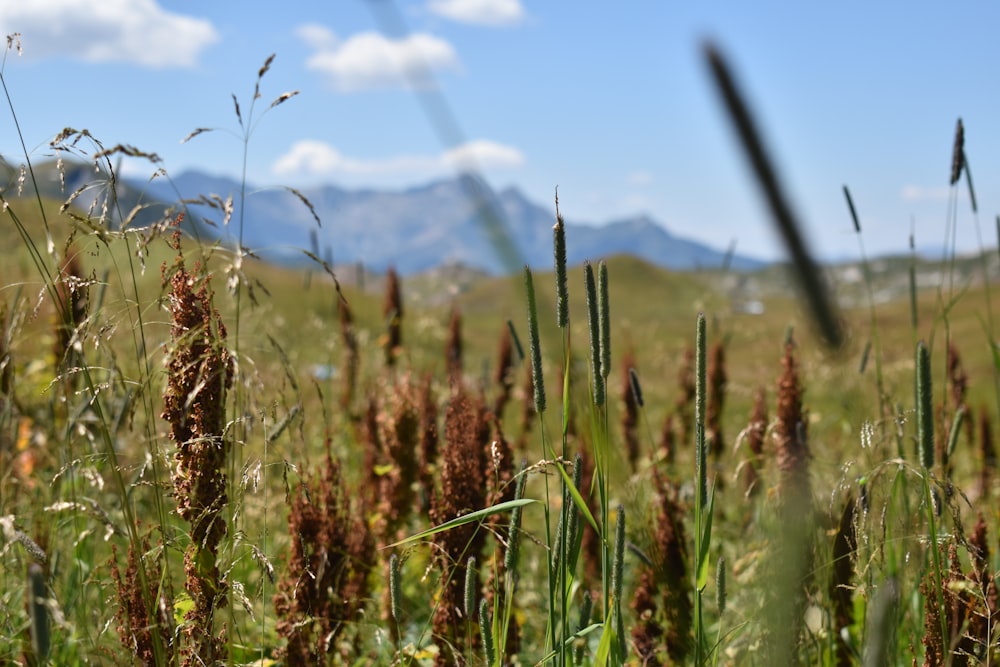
(369, 60)
(639, 178)
(920, 193)
(317, 158)
(481, 12)
(483, 154)
(317, 36)
(130, 31)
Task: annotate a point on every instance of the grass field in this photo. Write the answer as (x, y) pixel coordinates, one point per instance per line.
(209, 460)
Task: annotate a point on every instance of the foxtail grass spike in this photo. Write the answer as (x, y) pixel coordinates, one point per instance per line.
(699, 410)
(559, 246)
(533, 344)
(395, 590)
(720, 584)
(633, 379)
(514, 532)
(41, 639)
(593, 320)
(957, 152)
(815, 289)
(618, 573)
(517, 340)
(956, 427)
(925, 411)
(854, 213)
(470, 587)
(486, 628)
(604, 324)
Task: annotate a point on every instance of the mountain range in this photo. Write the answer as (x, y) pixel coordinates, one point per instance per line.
(460, 220)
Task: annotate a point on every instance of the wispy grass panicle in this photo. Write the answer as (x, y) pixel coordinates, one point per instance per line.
(71, 313)
(594, 323)
(537, 379)
(559, 250)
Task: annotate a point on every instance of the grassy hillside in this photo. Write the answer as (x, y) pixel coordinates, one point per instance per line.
(137, 439)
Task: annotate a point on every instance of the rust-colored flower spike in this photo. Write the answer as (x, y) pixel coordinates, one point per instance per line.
(393, 313)
(958, 383)
(987, 453)
(630, 413)
(463, 490)
(716, 399)
(325, 578)
(453, 347)
(199, 372)
(351, 356)
(528, 412)
(135, 621)
(755, 432)
(790, 436)
(663, 586)
(428, 465)
(958, 152)
(986, 594)
(504, 377)
(71, 308)
(399, 433)
(684, 406)
(844, 550)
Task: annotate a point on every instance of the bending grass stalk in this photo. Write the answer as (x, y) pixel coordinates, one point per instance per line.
(813, 283)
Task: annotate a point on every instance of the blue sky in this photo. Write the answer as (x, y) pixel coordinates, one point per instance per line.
(609, 102)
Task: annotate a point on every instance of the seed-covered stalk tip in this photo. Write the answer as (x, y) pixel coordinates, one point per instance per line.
(470, 587)
(925, 412)
(618, 573)
(633, 380)
(854, 213)
(559, 247)
(533, 343)
(720, 584)
(699, 410)
(593, 321)
(604, 306)
(395, 590)
(486, 628)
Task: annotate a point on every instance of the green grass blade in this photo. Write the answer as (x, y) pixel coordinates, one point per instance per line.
(462, 520)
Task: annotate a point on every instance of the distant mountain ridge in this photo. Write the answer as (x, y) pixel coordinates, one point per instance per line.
(415, 229)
